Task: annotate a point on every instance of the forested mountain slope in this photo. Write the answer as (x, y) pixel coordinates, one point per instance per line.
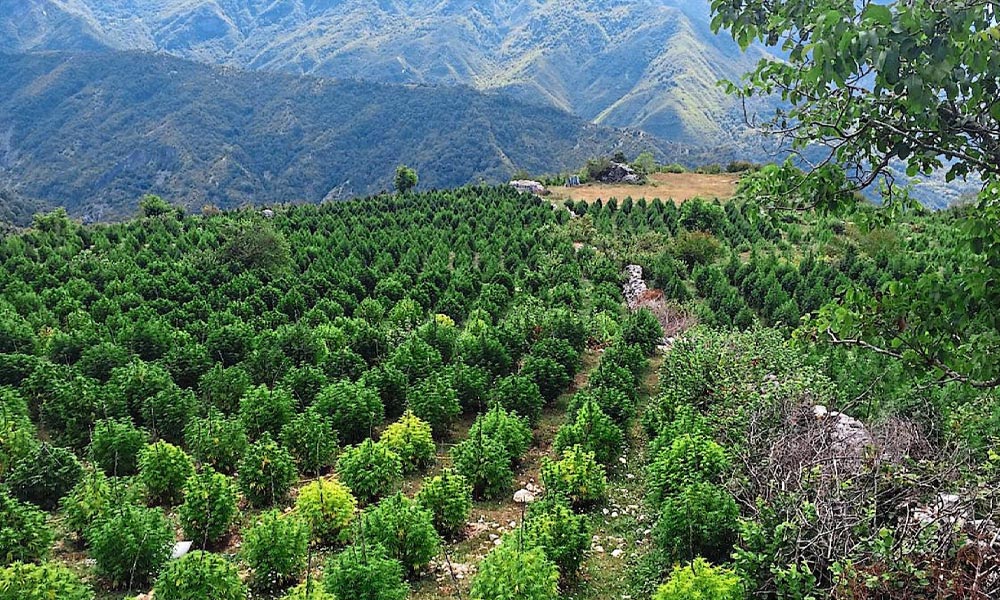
(651, 64)
(93, 132)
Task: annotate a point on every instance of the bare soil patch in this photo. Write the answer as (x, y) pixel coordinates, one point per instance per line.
(678, 187)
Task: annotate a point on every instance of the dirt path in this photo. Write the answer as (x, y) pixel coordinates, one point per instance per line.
(491, 520)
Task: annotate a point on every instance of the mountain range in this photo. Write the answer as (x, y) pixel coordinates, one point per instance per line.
(95, 131)
(647, 64)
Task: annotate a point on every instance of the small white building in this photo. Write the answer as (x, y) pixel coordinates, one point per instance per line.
(528, 186)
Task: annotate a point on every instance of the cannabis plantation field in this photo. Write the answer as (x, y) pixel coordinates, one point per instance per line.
(448, 395)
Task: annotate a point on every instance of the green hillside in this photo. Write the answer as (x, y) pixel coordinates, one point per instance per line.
(94, 132)
(368, 384)
(651, 64)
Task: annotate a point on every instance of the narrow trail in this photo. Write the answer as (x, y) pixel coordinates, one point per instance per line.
(491, 520)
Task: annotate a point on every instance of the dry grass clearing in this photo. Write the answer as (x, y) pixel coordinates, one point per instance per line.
(675, 186)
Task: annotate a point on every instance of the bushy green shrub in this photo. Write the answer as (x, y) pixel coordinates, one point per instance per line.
(365, 574)
(560, 351)
(216, 440)
(354, 410)
(371, 470)
(304, 384)
(209, 507)
(689, 459)
(130, 545)
(550, 376)
(412, 440)
(310, 438)
(695, 248)
(48, 581)
(405, 529)
(484, 463)
(88, 501)
(223, 387)
(484, 350)
(391, 385)
(416, 359)
(701, 581)
(508, 428)
(312, 590)
(471, 385)
(17, 433)
(327, 507)
(594, 431)
(24, 535)
(612, 401)
(700, 520)
(435, 401)
(115, 446)
(563, 535)
(267, 473)
(509, 573)
(626, 356)
(643, 330)
(275, 548)
(44, 476)
(577, 476)
(448, 497)
(163, 471)
(167, 412)
(520, 395)
(200, 575)
(264, 410)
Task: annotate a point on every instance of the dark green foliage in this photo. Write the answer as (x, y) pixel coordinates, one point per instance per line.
(519, 394)
(562, 535)
(168, 412)
(24, 535)
(700, 520)
(509, 573)
(560, 351)
(611, 400)
(89, 501)
(365, 574)
(264, 410)
(435, 401)
(209, 507)
(594, 431)
(689, 459)
(510, 430)
(266, 473)
(484, 463)
(47, 581)
(310, 438)
(471, 385)
(448, 498)
(275, 547)
(200, 575)
(44, 476)
(406, 179)
(392, 386)
(115, 446)
(643, 330)
(354, 409)
(371, 470)
(217, 441)
(550, 376)
(405, 529)
(131, 545)
(163, 471)
(224, 387)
